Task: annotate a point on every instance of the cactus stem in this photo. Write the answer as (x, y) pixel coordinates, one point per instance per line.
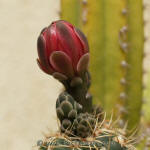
(134, 58)
(71, 11)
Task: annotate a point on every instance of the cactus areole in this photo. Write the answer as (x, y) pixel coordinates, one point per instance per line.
(64, 53)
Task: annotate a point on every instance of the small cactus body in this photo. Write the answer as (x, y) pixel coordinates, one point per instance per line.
(67, 110)
(105, 139)
(100, 144)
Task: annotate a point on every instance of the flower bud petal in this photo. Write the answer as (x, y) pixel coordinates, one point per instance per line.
(69, 42)
(83, 40)
(51, 39)
(61, 63)
(43, 56)
(59, 76)
(41, 67)
(83, 63)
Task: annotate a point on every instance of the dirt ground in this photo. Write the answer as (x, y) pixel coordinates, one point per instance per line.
(27, 95)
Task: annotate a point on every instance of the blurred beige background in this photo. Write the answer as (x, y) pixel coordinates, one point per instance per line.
(27, 95)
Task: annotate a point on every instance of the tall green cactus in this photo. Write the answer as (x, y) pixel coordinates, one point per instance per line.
(106, 55)
(135, 59)
(115, 33)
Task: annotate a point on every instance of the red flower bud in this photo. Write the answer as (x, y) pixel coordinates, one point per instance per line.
(62, 49)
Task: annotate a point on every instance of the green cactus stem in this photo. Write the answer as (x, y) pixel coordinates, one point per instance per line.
(135, 60)
(78, 88)
(104, 21)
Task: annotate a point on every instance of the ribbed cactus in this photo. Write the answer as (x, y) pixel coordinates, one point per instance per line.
(115, 33)
(108, 140)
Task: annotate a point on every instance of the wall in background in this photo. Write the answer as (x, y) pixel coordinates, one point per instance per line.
(27, 95)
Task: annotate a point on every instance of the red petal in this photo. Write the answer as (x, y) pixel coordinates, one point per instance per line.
(41, 67)
(61, 63)
(83, 40)
(68, 42)
(51, 39)
(43, 55)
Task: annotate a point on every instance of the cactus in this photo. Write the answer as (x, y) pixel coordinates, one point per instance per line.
(115, 33)
(64, 53)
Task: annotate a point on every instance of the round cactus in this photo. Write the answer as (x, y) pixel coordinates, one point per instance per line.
(103, 137)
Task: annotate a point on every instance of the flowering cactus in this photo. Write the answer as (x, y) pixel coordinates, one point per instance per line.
(62, 41)
(64, 53)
